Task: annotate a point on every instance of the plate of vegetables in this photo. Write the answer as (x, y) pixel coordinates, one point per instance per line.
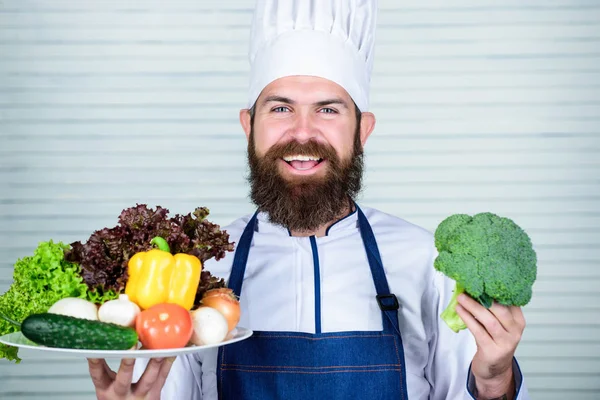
(136, 290)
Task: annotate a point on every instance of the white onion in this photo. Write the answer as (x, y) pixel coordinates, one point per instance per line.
(121, 311)
(75, 307)
(210, 326)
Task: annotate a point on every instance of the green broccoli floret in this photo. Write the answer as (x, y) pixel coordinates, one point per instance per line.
(490, 258)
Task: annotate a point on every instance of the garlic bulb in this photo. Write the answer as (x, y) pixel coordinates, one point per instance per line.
(121, 311)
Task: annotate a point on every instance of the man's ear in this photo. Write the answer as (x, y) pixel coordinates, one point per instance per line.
(246, 122)
(367, 124)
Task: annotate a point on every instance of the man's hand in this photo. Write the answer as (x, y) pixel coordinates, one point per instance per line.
(116, 386)
(497, 332)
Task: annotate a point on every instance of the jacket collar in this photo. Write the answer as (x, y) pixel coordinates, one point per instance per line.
(349, 221)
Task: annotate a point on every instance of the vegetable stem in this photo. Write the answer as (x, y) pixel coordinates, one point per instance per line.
(161, 244)
(449, 315)
(10, 320)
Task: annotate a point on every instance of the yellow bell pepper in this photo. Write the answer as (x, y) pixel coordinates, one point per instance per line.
(157, 276)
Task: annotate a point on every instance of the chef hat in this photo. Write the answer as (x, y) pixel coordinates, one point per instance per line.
(331, 39)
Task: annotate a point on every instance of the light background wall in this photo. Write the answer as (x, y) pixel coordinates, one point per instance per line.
(484, 105)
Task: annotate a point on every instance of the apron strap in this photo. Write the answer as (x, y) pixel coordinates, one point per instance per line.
(388, 302)
(236, 278)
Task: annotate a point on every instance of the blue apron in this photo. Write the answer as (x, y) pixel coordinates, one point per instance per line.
(336, 365)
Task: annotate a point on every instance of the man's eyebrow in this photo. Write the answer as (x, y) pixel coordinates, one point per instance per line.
(287, 100)
(328, 102)
(278, 99)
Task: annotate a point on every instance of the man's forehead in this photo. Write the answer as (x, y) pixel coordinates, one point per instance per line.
(306, 90)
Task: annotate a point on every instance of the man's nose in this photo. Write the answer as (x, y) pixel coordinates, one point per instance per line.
(304, 128)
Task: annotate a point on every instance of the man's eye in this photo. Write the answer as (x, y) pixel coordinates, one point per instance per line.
(281, 109)
(327, 110)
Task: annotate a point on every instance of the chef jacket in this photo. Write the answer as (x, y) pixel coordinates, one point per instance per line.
(279, 295)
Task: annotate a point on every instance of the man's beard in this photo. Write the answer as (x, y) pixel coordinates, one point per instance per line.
(304, 203)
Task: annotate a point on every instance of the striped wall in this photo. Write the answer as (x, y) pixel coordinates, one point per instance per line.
(482, 105)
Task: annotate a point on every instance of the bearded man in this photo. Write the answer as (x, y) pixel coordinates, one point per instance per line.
(343, 300)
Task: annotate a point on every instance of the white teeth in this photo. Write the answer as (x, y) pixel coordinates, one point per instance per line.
(300, 158)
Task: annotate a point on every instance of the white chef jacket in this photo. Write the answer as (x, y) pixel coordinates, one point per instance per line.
(278, 294)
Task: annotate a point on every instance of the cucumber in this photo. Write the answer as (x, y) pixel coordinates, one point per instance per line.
(62, 331)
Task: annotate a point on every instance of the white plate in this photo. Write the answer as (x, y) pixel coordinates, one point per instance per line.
(18, 340)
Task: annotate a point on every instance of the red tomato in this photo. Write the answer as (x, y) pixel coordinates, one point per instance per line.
(164, 326)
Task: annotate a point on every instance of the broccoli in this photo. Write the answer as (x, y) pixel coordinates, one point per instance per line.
(490, 258)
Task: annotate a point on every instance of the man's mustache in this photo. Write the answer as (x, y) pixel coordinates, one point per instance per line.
(310, 148)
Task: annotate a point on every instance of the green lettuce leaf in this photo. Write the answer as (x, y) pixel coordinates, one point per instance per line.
(39, 281)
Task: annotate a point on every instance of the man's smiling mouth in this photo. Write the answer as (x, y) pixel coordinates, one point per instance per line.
(302, 163)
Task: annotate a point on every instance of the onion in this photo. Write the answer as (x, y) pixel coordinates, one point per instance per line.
(75, 307)
(210, 326)
(225, 301)
(121, 311)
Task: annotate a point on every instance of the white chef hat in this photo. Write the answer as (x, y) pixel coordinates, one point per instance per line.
(331, 39)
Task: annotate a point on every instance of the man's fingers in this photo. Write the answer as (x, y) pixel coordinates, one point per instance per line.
(111, 374)
(122, 384)
(98, 373)
(517, 314)
(164, 372)
(483, 316)
(504, 315)
(148, 378)
(481, 335)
